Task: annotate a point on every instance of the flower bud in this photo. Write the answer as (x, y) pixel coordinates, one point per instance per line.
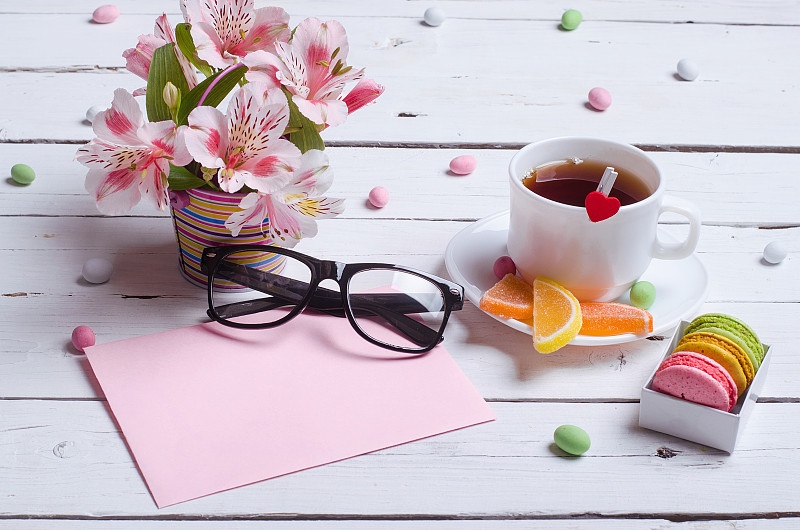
(171, 95)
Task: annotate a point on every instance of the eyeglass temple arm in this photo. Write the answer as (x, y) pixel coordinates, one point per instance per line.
(291, 292)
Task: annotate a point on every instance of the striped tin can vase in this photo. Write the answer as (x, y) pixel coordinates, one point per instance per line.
(199, 220)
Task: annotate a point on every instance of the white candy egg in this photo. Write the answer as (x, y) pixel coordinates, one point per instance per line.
(97, 270)
(434, 16)
(92, 112)
(688, 69)
(775, 252)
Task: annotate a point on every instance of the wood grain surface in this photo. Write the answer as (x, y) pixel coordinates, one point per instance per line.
(495, 76)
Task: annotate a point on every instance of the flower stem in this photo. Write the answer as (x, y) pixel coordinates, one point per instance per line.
(216, 80)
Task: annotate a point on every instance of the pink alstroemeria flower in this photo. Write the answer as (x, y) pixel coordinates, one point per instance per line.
(138, 59)
(313, 68)
(245, 145)
(291, 210)
(130, 158)
(365, 92)
(224, 30)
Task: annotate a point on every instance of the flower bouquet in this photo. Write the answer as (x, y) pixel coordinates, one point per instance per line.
(265, 154)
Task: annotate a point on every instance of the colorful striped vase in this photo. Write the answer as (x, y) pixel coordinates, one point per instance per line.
(199, 219)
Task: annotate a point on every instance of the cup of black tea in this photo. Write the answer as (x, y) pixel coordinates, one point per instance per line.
(551, 234)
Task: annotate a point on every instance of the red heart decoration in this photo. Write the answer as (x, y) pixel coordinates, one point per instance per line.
(600, 207)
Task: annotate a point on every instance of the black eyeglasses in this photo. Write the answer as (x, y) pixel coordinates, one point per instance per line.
(261, 286)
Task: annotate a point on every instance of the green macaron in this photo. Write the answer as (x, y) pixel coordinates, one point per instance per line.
(738, 340)
(734, 330)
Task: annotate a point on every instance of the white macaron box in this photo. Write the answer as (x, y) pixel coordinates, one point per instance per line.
(698, 423)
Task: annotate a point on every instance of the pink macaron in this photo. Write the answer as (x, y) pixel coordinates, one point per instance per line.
(696, 378)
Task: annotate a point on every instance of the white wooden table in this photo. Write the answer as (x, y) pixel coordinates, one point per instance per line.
(496, 75)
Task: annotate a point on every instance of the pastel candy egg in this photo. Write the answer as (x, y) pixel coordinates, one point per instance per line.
(463, 165)
(379, 196)
(82, 337)
(504, 265)
(97, 270)
(434, 16)
(105, 14)
(93, 111)
(572, 439)
(643, 294)
(599, 98)
(22, 173)
(571, 19)
(688, 69)
(775, 252)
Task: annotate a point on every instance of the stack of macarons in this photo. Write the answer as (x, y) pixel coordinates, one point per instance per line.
(713, 363)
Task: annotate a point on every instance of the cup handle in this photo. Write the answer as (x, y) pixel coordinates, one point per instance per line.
(663, 250)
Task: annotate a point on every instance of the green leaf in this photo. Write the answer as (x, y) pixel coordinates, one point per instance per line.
(181, 178)
(185, 42)
(221, 89)
(164, 67)
(305, 134)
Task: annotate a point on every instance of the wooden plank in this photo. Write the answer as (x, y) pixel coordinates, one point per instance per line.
(728, 252)
(39, 361)
(778, 12)
(728, 188)
(407, 522)
(384, 42)
(461, 101)
(67, 458)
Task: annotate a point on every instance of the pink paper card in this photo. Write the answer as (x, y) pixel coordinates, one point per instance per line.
(208, 408)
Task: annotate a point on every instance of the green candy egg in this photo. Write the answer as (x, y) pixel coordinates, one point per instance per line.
(572, 439)
(643, 294)
(571, 19)
(22, 173)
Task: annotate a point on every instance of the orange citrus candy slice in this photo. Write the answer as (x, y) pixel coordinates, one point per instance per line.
(611, 318)
(511, 297)
(556, 315)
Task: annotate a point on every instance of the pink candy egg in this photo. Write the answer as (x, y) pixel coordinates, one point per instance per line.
(105, 14)
(379, 197)
(463, 165)
(82, 337)
(504, 265)
(599, 98)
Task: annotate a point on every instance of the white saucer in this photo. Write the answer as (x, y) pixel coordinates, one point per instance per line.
(681, 284)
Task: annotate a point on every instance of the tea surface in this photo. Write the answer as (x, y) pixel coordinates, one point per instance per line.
(566, 182)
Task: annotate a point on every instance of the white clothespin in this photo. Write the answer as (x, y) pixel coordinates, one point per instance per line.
(607, 181)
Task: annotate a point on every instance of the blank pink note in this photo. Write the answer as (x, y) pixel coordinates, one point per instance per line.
(209, 408)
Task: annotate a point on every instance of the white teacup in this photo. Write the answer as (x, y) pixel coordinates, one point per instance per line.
(596, 261)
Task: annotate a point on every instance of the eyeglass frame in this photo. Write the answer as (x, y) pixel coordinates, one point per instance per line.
(341, 273)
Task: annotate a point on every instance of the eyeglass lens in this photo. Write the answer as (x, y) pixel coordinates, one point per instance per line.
(257, 287)
(397, 307)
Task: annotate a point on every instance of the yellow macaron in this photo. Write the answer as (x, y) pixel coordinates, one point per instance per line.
(722, 356)
(729, 346)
